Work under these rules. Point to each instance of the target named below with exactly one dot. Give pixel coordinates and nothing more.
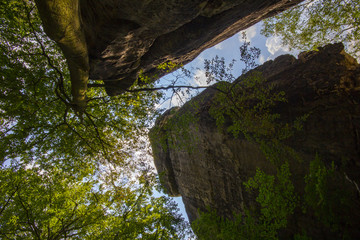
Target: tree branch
(60, 82)
(160, 88)
(7, 202)
(30, 222)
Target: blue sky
(229, 49)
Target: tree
(69, 174)
(38, 120)
(315, 23)
(53, 204)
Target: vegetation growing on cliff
(245, 109)
(276, 201)
(329, 198)
(64, 171)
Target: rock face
(210, 168)
(125, 37)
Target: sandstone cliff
(207, 165)
(124, 37)
(118, 39)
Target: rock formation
(122, 38)
(210, 168)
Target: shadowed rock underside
(126, 37)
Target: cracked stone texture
(124, 37)
(208, 166)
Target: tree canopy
(53, 204)
(38, 120)
(315, 23)
(70, 174)
(67, 174)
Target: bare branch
(161, 88)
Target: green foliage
(185, 126)
(328, 195)
(147, 79)
(245, 106)
(38, 121)
(65, 174)
(211, 226)
(315, 23)
(248, 54)
(247, 103)
(277, 200)
(277, 152)
(38, 204)
(217, 71)
(245, 109)
(301, 237)
(176, 130)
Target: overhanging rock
(129, 36)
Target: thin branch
(7, 202)
(65, 228)
(60, 82)
(73, 130)
(160, 88)
(131, 207)
(102, 142)
(341, 32)
(29, 222)
(99, 98)
(353, 182)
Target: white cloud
(250, 34)
(182, 96)
(274, 45)
(200, 78)
(218, 46)
(179, 99)
(261, 59)
(352, 47)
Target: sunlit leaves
(38, 121)
(315, 23)
(66, 174)
(38, 204)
